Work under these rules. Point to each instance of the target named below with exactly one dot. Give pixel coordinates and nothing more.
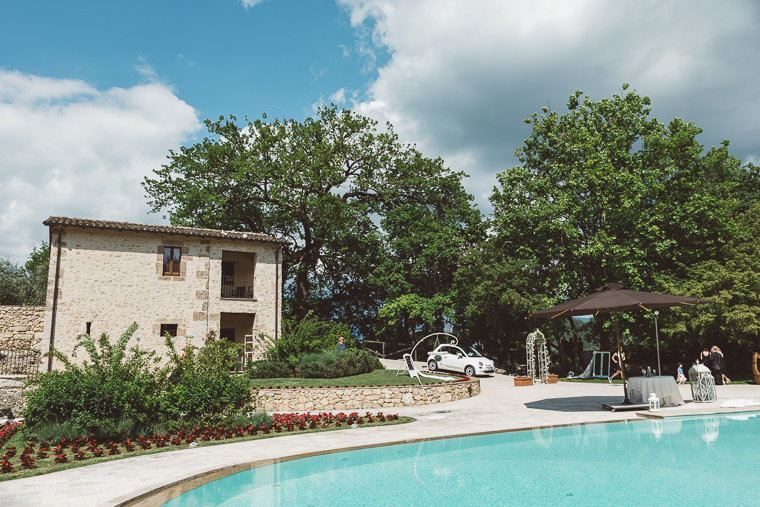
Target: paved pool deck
(499, 407)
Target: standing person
(705, 358)
(717, 365)
(680, 375)
(615, 366)
(341, 345)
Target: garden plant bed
(73, 453)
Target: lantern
(702, 383)
(654, 402)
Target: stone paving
(499, 407)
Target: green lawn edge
(381, 378)
(50, 467)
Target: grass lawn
(376, 378)
(47, 465)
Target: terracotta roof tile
(162, 229)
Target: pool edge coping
(142, 497)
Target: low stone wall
(11, 399)
(348, 398)
(21, 327)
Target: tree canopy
(326, 184)
(604, 193)
(733, 280)
(389, 242)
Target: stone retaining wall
(11, 398)
(347, 398)
(21, 327)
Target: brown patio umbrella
(614, 298)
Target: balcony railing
(19, 361)
(237, 287)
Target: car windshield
(471, 352)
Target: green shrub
(52, 432)
(269, 369)
(113, 386)
(336, 363)
(308, 336)
(204, 381)
(120, 393)
(259, 419)
(255, 419)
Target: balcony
(237, 287)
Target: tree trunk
(575, 344)
(303, 286)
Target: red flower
(5, 465)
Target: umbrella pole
(626, 401)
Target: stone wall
(21, 327)
(348, 398)
(11, 399)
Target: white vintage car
(453, 358)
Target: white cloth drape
(665, 387)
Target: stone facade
(21, 327)
(356, 398)
(113, 274)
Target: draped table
(665, 387)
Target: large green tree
(492, 295)
(424, 245)
(324, 184)
(733, 281)
(11, 282)
(605, 193)
(27, 284)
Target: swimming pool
(706, 460)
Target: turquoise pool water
(701, 460)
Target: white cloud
(146, 70)
(339, 97)
(250, 3)
(70, 149)
(462, 75)
(317, 104)
(317, 72)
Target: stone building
(179, 280)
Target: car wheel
(432, 365)
(469, 371)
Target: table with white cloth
(664, 387)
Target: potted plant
(523, 381)
(552, 379)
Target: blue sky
(93, 95)
(220, 57)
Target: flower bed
(7, 431)
(50, 455)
